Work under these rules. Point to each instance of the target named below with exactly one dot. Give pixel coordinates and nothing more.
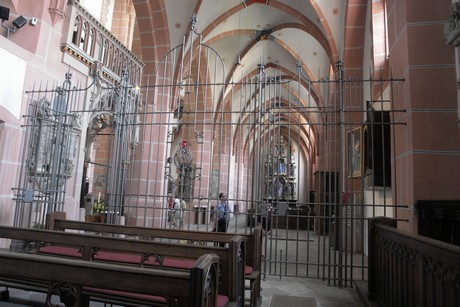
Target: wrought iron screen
(308, 160)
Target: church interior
(332, 127)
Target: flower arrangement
(99, 207)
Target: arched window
(104, 51)
(116, 58)
(91, 41)
(85, 34)
(380, 36)
(77, 29)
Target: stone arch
(153, 32)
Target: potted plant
(99, 208)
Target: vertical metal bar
(321, 186)
(258, 107)
(307, 160)
(382, 127)
(18, 218)
(281, 261)
(393, 133)
(243, 200)
(341, 176)
(250, 203)
(330, 182)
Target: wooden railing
(89, 42)
(411, 270)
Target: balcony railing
(89, 41)
(411, 270)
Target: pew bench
(74, 279)
(253, 243)
(142, 253)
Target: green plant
(99, 207)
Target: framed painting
(354, 150)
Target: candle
(99, 197)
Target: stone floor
(325, 296)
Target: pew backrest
(196, 287)
(253, 240)
(140, 252)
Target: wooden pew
(138, 252)
(70, 278)
(253, 243)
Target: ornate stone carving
(183, 159)
(53, 143)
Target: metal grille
(49, 153)
(308, 160)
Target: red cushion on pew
(120, 257)
(61, 251)
(248, 270)
(117, 257)
(222, 300)
(153, 298)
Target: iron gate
(308, 160)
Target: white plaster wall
(12, 82)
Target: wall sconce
(18, 23)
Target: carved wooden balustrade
(411, 270)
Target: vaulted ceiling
(279, 33)
(291, 38)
